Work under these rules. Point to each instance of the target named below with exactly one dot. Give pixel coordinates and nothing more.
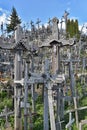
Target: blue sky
(44, 9)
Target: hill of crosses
(43, 77)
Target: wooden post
(73, 91)
(33, 85)
(76, 111)
(82, 123)
(51, 108)
(25, 97)
(80, 126)
(72, 86)
(17, 76)
(18, 33)
(56, 48)
(46, 108)
(71, 121)
(58, 110)
(70, 118)
(46, 120)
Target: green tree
(13, 21)
(68, 28)
(72, 28)
(76, 27)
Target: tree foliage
(72, 27)
(13, 21)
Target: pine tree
(72, 28)
(76, 27)
(14, 20)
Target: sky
(44, 9)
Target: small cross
(38, 22)
(5, 114)
(65, 14)
(49, 21)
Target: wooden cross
(18, 48)
(42, 78)
(65, 14)
(25, 96)
(5, 114)
(72, 85)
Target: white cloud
(83, 28)
(63, 24)
(3, 16)
(4, 11)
